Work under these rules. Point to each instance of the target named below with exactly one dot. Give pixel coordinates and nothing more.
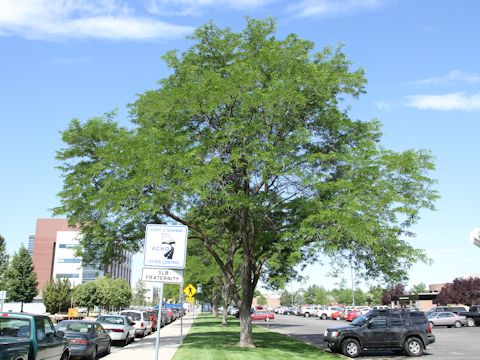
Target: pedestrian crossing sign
(190, 290)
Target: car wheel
(458, 324)
(127, 340)
(338, 318)
(109, 348)
(470, 322)
(307, 314)
(413, 347)
(351, 348)
(324, 316)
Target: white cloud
(454, 76)
(446, 102)
(383, 105)
(103, 19)
(198, 7)
(306, 8)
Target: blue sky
(79, 59)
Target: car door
(442, 319)
(395, 330)
(50, 346)
(103, 339)
(375, 333)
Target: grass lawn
(208, 340)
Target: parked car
(337, 315)
(141, 319)
(289, 311)
(326, 313)
(398, 330)
(352, 315)
(309, 310)
(87, 338)
(472, 315)
(153, 319)
(28, 336)
(263, 315)
(448, 319)
(119, 327)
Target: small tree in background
(57, 295)
(418, 288)
(87, 295)
(261, 300)
(21, 278)
(139, 293)
(3, 262)
(393, 294)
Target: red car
(153, 319)
(262, 315)
(337, 315)
(353, 314)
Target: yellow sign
(190, 290)
(191, 300)
(72, 312)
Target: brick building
(54, 246)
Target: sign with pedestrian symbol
(190, 290)
(165, 246)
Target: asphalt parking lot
(462, 343)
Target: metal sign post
(165, 253)
(181, 317)
(160, 300)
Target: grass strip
(209, 340)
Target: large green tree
(249, 144)
(3, 262)
(57, 295)
(21, 278)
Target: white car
(141, 320)
(119, 327)
(326, 313)
(309, 310)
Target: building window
(68, 261)
(67, 246)
(68, 276)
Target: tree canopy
(57, 295)
(248, 143)
(21, 278)
(460, 291)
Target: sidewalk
(144, 349)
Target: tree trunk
(214, 304)
(224, 300)
(246, 337)
(21, 307)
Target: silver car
(119, 327)
(141, 320)
(446, 318)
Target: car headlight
(335, 333)
(325, 333)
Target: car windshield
(431, 315)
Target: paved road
(458, 344)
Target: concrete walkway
(144, 348)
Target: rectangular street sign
(165, 246)
(168, 276)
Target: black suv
(397, 330)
